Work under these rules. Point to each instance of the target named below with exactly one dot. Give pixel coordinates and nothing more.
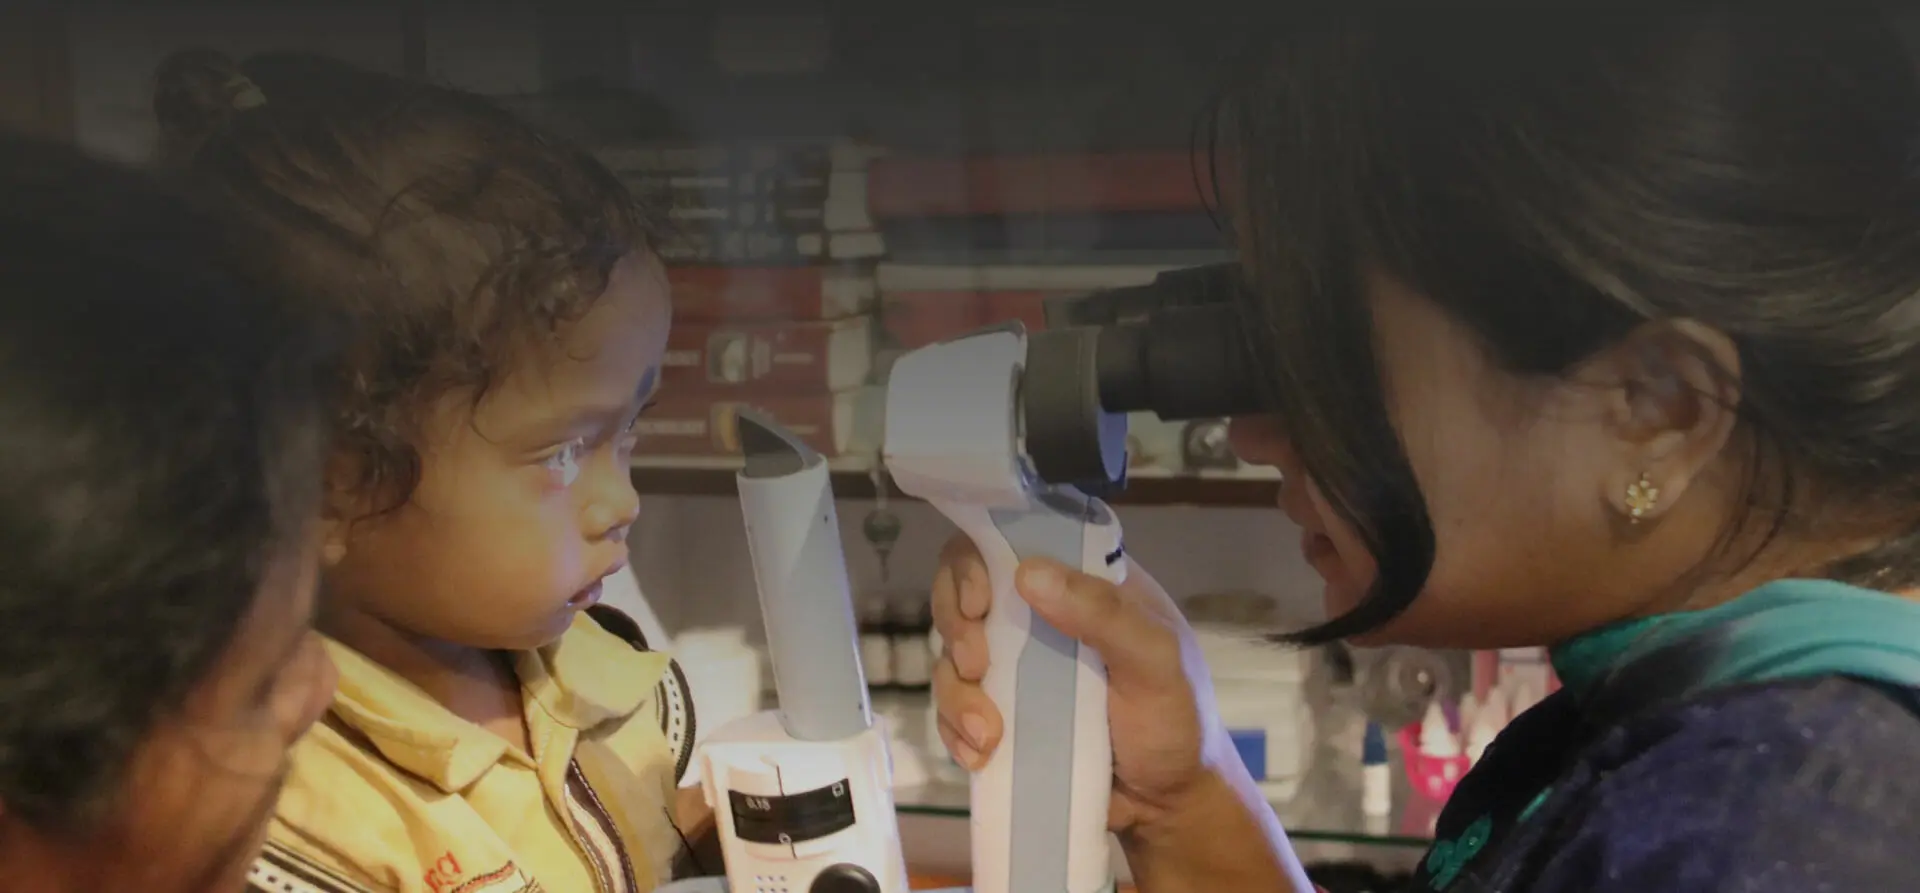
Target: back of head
(163, 426)
(450, 231)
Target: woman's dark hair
(163, 431)
(1555, 175)
(452, 233)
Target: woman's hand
(1157, 683)
(1188, 814)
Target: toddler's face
(523, 506)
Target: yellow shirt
(394, 792)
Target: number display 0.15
(792, 818)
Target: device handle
(1040, 804)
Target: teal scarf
(1784, 630)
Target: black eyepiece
(1176, 348)
(1179, 364)
(1209, 285)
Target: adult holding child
(162, 424)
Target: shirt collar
(585, 678)
(590, 676)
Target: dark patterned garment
(1768, 746)
(1793, 786)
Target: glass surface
(1326, 808)
(1323, 806)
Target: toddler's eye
(634, 423)
(565, 464)
(629, 437)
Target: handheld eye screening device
(1014, 436)
(954, 434)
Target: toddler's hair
(455, 236)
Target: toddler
(494, 730)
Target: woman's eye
(565, 464)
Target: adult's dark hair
(1555, 175)
(453, 234)
(161, 438)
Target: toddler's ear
(341, 505)
(333, 546)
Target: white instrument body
(792, 811)
(802, 795)
(1040, 804)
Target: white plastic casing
(1040, 804)
(805, 789)
(756, 757)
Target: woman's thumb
(1132, 642)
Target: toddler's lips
(585, 598)
(590, 596)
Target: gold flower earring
(1642, 496)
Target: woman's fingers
(1135, 643)
(967, 652)
(961, 594)
(969, 722)
(966, 571)
(963, 752)
(1125, 624)
(946, 602)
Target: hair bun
(196, 92)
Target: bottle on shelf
(876, 642)
(1437, 740)
(1485, 724)
(1376, 777)
(912, 626)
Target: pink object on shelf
(1433, 778)
(1486, 673)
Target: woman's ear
(1673, 410)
